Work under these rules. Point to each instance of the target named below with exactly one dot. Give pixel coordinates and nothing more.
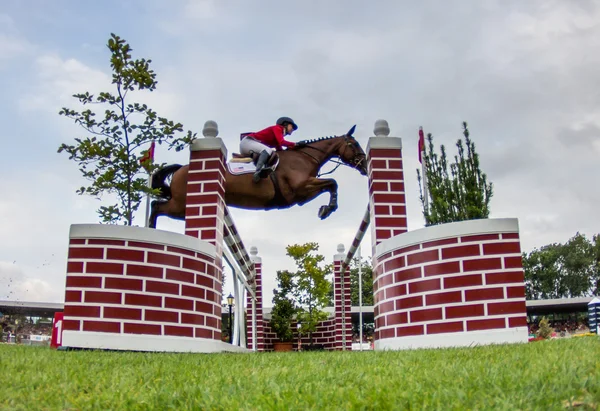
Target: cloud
(17, 286)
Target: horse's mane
(315, 140)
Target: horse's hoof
(324, 212)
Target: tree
(462, 194)
(112, 157)
(367, 282)
(311, 286)
(563, 270)
(284, 307)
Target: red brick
(396, 319)
(151, 329)
(161, 287)
(515, 292)
(460, 311)
(513, 262)
(425, 285)
(480, 237)
(193, 292)
(393, 264)
(144, 271)
(212, 296)
(195, 319)
(201, 222)
(84, 282)
(387, 175)
(145, 245)
(194, 265)
(460, 251)
(408, 274)
(501, 248)
(203, 154)
(484, 294)
(379, 186)
(428, 314)
(451, 267)
(209, 210)
(398, 186)
(164, 259)
(212, 322)
(123, 284)
(398, 209)
(409, 302)
(102, 326)
(408, 249)
(162, 316)
(395, 291)
(384, 153)
(72, 296)
(410, 330)
(76, 241)
(102, 297)
(441, 328)
(204, 307)
(387, 333)
(203, 333)
(443, 298)
(387, 222)
(180, 250)
(438, 243)
(179, 331)
(71, 325)
(517, 322)
(103, 268)
(86, 252)
(81, 311)
(123, 313)
(510, 236)
(381, 235)
(211, 187)
(482, 264)
(208, 235)
(105, 241)
(143, 299)
(513, 307)
(462, 281)
(179, 303)
(75, 267)
(422, 257)
(124, 254)
(503, 278)
(381, 198)
(486, 324)
(386, 280)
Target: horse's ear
(351, 131)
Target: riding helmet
(282, 120)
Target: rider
(263, 142)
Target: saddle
(239, 158)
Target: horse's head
(351, 153)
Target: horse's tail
(159, 177)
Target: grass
(541, 375)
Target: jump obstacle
(133, 288)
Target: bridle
(356, 162)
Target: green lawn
(541, 375)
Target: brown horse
(294, 181)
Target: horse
(292, 182)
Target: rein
(335, 160)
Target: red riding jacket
(273, 137)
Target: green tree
(311, 286)
(462, 193)
(563, 270)
(109, 157)
(284, 307)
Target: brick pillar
(342, 302)
(206, 200)
(386, 185)
(260, 337)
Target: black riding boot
(260, 164)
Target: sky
(524, 75)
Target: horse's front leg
(315, 187)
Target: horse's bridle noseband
(356, 163)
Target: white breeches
(249, 146)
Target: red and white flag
(421, 144)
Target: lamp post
(230, 304)
(360, 318)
